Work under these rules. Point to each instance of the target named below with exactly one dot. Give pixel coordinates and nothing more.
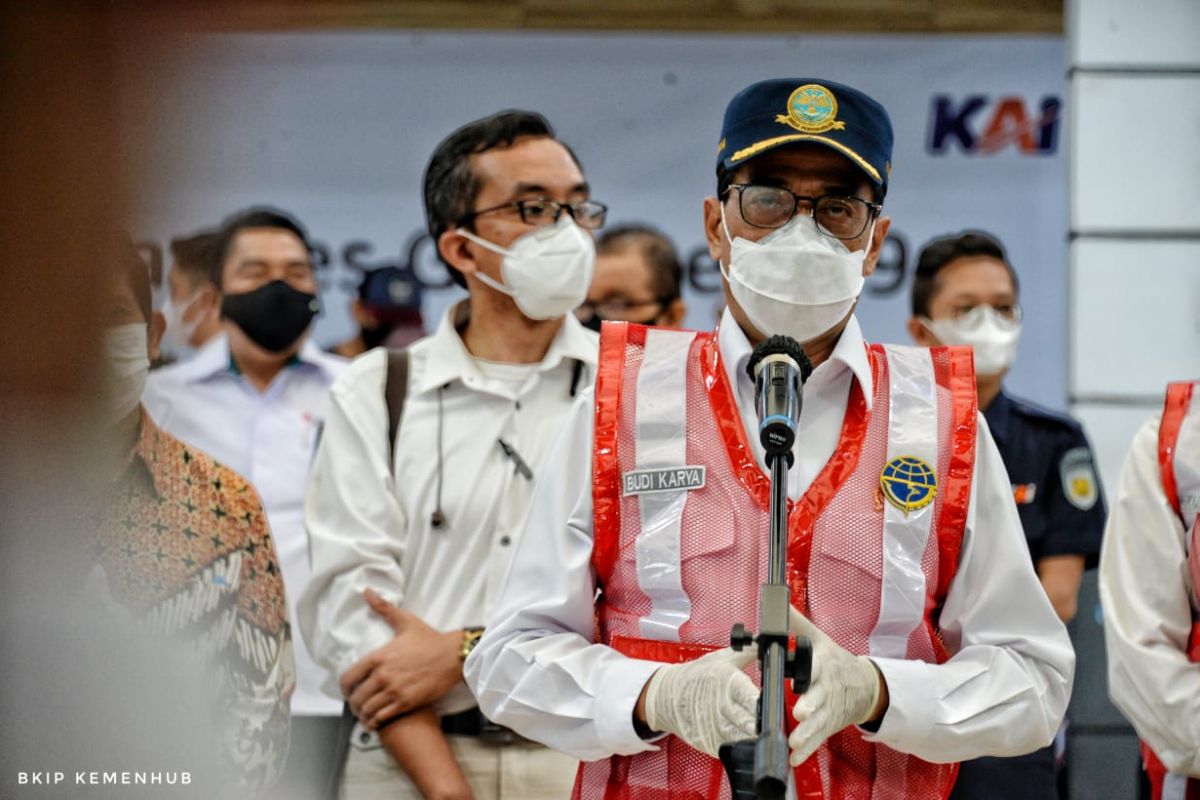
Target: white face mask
(794, 281)
(992, 337)
(547, 271)
(126, 365)
(177, 338)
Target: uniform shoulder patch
(1078, 477)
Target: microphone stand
(758, 768)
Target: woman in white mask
(966, 293)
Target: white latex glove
(707, 702)
(844, 691)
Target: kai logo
(980, 125)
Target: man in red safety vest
(647, 538)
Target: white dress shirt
(1003, 692)
(268, 437)
(1145, 593)
(368, 530)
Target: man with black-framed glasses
(932, 641)
(423, 477)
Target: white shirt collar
(449, 360)
(850, 352)
(214, 359)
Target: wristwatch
(470, 638)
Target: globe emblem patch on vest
(908, 483)
(811, 109)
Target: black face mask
(273, 316)
(373, 337)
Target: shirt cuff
(910, 696)
(615, 701)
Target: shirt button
(364, 737)
(505, 541)
(518, 405)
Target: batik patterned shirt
(186, 549)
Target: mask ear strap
(725, 227)
(720, 264)
(484, 243)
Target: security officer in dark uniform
(965, 293)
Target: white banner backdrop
(337, 128)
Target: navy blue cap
(390, 289)
(768, 114)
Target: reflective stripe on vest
(912, 433)
(662, 444)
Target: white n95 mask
(547, 271)
(177, 338)
(992, 337)
(794, 281)
(126, 367)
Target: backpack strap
(395, 392)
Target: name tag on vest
(666, 479)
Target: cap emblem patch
(812, 109)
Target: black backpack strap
(395, 392)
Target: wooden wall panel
(741, 16)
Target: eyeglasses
(773, 206)
(1008, 313)
(544, 211)
(617, 308)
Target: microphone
(778, 367)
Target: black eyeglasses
(618, 308)
(773, 206)
(544, 211)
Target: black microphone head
(779, 345)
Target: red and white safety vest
(681, 536)
(1179, 462)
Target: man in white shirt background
(193, 306)
(254, 398)
(976, 664)
(429, 521)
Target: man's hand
(707, 702)
(846, 690)
(415, 668)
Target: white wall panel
(1134, 160)
(1118, 33)
(1135, 321)
(1110, 430)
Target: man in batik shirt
(182, 544)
